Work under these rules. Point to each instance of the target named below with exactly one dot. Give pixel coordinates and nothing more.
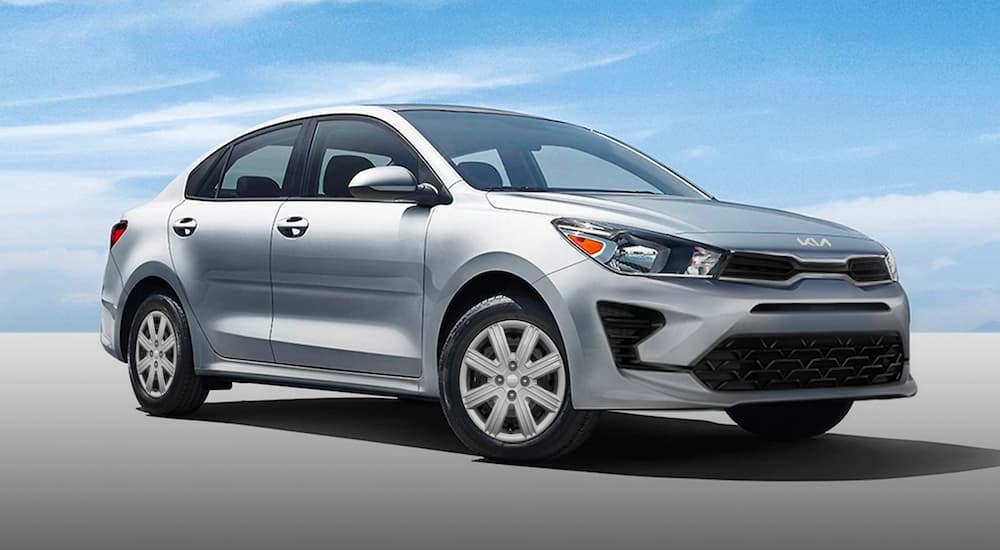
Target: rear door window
(258, 166)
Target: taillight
(117, 230)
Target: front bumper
(699, 314)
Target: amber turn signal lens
(590, 246)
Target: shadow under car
(624, 444)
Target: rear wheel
(505, 384)
(790, 421)
(161, 366)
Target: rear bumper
(111, 292)
(699, 315)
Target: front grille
(802, 361)
(868, 270)
(759, 267)
(773, 267)
(626, 326)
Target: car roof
(400, 107)
(376, 109)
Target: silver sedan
(527, 273)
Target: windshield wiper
(526, 189)
(522, 189)
(631, 191)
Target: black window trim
(312, 188)
(293, 172)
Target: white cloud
(955, 309)
(927, 232)
(466, 71)
(203, 12)
(932, 234)
(697, 152)
(992, 137)
(61, 241)
(149, 85)
(941, 263)
(76, 208)
(167, 138)
(197, 12)
(955, 218)
(633, 134)
(217, 11)
(68, 262)
(60, 210)
(857, 152)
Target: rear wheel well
(479, 288)
(144, 289)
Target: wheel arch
(480, 277)
(148, 279)
(480, 287)
(143, 289)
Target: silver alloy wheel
(156, 354)
(512, 381)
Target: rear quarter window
(204, 179)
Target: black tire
(570, 427)
(187, 392)
(790, 421)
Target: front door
(348, 274)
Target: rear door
(348, 274)
(220, 239)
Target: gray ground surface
(264, 467)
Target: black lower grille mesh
(802, 361)
(626, 326)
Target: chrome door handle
(293, 227)
(184, 227)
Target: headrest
(340, 170)
(257, 186)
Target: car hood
(724, 224)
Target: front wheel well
(479, 288)
(142, 290)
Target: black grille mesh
(626, 326)
(765, 267)
(868, 270)
(759, 267)
(802, 361)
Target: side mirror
(388, 183)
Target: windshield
(500, 152)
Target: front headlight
(632, 251)
(890, 264)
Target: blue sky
(884, 116)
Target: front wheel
(505, 386)
(161, 366)
(790, 421)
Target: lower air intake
(626, 326)
(802, 361)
